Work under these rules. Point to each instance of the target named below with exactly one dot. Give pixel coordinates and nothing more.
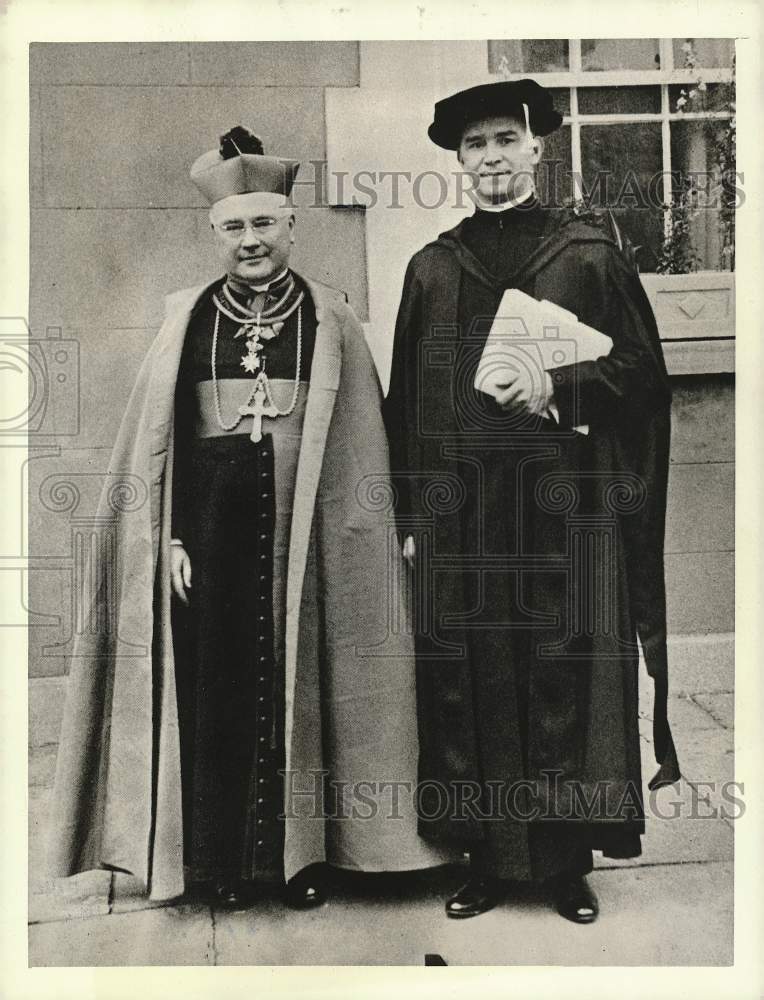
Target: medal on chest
(255, 335)
(257, 328)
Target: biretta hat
(490, 100)
(238, 166)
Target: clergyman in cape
(534, 524)
(252, 591)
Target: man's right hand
(409, 550)
(180, 572)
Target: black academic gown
(539, 549)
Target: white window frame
(576, 77)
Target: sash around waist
(233, 393)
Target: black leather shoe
(230, 895)
(478, 896)
(575, 900)
(307, 889)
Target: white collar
(261, 288)
(504, 206)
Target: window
(648, 132)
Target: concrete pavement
(671, 906)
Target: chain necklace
(287, 285)
(259, 402)
(239, 313)
(260, 325)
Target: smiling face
(254, 234)
(501, 155)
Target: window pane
(709, 53)
(619, 100)
(620, 53)
(561, 99)
(622, 166)
(553, 176)
(701, 97)
(528, 55)
(697, 150)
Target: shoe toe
(577, 902)
(472, 899)
(230, 896)
(457, 909)
(303, 893)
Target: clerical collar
(506, 206)
(245, 288)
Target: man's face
(501, 155)
(253, 236)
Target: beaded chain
(259, 401)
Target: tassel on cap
(240, 140)
(239, 166)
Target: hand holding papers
(530, 337)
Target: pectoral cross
(258, 408)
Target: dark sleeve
(633, 375)
(399, 409)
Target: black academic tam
(489, 100)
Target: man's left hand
(527, 393)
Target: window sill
(696, 320)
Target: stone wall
(116, 225)
(700, 529)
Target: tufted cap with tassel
(239, 166)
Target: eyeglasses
(236, 231)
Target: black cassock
(228, 668)
(539, 549)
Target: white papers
(535, 336)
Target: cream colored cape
(350, 690)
